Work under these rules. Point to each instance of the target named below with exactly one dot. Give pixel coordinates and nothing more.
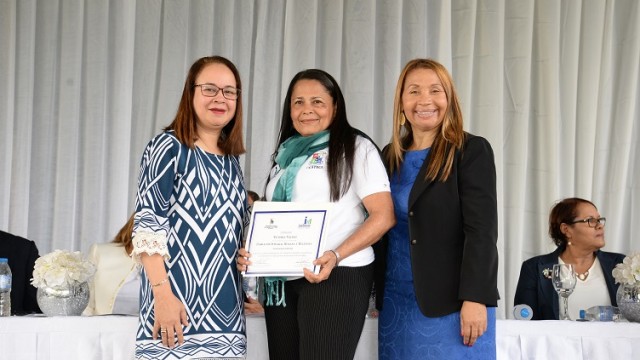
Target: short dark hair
(564, 211)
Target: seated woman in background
(22, 255)
(116, 285)
(577, 229)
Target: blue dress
(197, 202)
(403, 331)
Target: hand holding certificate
(285, 237)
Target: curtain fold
(553, 85)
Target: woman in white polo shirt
(321, 158)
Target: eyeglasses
(592, 222)
(211, 90)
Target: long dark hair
(342, 137)
(184, 124)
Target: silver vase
(63, 301)
(628, 298)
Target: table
(67, 337)
(553, 339)
(113, 337)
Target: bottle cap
(522, 312)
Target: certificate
(286, 237)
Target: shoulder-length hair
(564, 211)
(184, 124)
(450, 134)
(342, 137)
(124, 237)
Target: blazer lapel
(607, 263)
(420, 184)
(548, 291)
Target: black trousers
(320, 321)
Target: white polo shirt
(312, 185)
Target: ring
(163, 330)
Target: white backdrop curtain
(553, 85)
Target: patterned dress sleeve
(153, 199)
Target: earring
(404, 119)
(569, 243)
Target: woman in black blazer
(436, 274)
(578, 232)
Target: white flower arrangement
(547, 273)
(628, 272)
(62, 269)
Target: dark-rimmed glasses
(591, 221)
(211, 90)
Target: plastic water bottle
(522, 312)
(600, 313)
(5, 288)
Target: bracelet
(337, 254)
(160, 283)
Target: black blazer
(22, 255)
(536, 290)
(453, 229)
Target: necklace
(583, 276)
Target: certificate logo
(271, 225)
(306, 223)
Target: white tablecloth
(113, 337)
(567, 340)
(72, 337)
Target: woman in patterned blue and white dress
(190, 207)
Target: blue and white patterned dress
(193, 203)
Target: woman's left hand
(327, 262)
(473, 321)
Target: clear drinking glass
(564, 281)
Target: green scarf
(291, 155)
